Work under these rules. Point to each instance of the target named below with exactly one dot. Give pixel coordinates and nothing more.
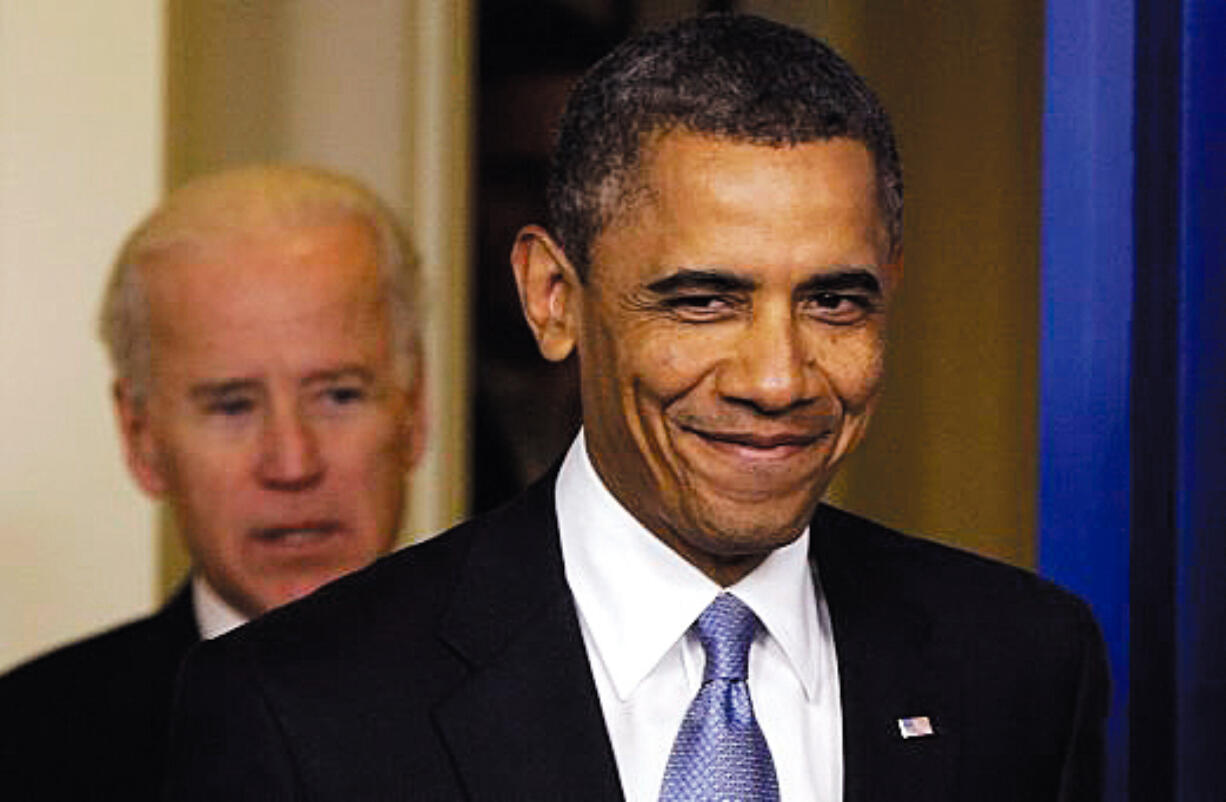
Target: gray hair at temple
(731, 76)
(247, 200)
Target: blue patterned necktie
(720, 753)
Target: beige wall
(953, 449)
(80, 159)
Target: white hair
(248, 200)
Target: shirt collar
(638, 597)
(213, 616)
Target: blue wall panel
(1084, 511)
(1133, 370)
(1201, 508)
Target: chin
(764, 516)
(746, 533)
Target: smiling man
(263, 331)
(730, 335)
(672, 613)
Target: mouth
(300, 534)
(760, 440)
(755, 465)
(761, 443)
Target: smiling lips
(757, 457)
(761, 444)
(759, 466)
(764, 442)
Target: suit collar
(214, 615)
(521, 726)
(889, 667)
(630, 633)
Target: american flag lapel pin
(915, 727)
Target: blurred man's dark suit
(457, 670)
(89, 721)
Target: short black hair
(732, 76)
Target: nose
(772, 368)
(289, 458)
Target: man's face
(731, 340)
(275, 426)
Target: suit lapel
(526, 724)
(177, 618)
(889, 669)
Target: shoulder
(127, 653)
(102, 702)
(358, 668)
(405, 589)
(390, 612)
(361, 644)
(956, 586)
(1008, 660)
(1006, 628)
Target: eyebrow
(705, 280)
(848, 278)
(690, 279)
(208, 390)
(359, 372)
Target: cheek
(680, 362)
(209, 499)
(602, 382)
(855, 366)
(381, 468)
(371, 462)
(671, 365)
(206, 471)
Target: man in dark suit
(262, 327)
(671, 613)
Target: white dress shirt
(213, 616)
(637, 599)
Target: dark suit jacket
(90, 720)
(456, 670)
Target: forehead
(252, 253)
(267, 293)
(705, 196)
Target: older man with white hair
(262, 324)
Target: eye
(839, 308)
(344, 395)
(231, 407)
(701, 307)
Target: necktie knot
(726, 629)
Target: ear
(139, 444)
(549, 291)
